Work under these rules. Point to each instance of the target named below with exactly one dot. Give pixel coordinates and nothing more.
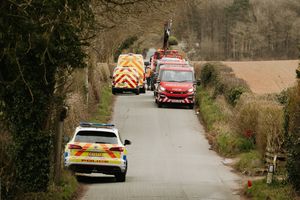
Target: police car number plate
(95, 154)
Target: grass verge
(229, 144)
(210, 112)
(104, 111)
(225, 142)
(64, 191)
(249, 163)
(260, 190)
(242, 125)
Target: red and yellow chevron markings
(84, 148)
(133, 60)
(107, 151)
(126, 75)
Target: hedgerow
(223, 82)
(208, 74)
(39, 40)
(292, 136)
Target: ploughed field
(266, 76)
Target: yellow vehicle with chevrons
(135, 61)
(125, 79)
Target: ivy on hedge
(220, 78)
(173, 40)
(125, 45)
(208, 74)
(233, 95)
(37, 39)
(292, 136)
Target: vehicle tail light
(74, 146)
(120, 149)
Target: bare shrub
(105, 71)
(270, 127)
(111, 67)
(77, 112)
(197, 68)
(83, 101)
(78, 81)
(261, 119)
(246, 119)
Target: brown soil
(266, 76)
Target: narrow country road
(169, 157)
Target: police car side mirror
(198, 82)
(66, 139)
(127, 142)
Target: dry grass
(257, 118)
(263, 118)
(246, 118)
(270, 128)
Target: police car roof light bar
(91, 124)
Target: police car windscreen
(99, 137)
(176, 76)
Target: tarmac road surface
(169, 157)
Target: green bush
(64, 191)
(249, 161)
(245, 121)
(124, 45)
(173, 40)
(233, 95)
(220, 87)
(245, 144)
(223, 82)
(208, 74)
(282, 98)
(229, 144)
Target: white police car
(97, 148)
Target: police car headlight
(161, 89)
(191, 90)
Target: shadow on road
(125, 94)
(95, 179)
(175, 106)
